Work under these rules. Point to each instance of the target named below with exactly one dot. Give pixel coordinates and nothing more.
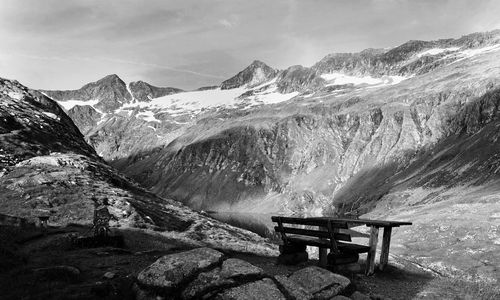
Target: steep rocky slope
(46, 168)
(299, 78)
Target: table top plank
(367, 222)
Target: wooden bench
(326, 236)
(303, 237)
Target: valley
(379, 132)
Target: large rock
(237, 268)
(292, 289)
(322, 283)
(259, 290)
(170, 270)
(228, 275)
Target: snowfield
(340, 79)
(69, 104)
(436, 51)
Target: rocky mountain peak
(110, 92)
(143, 91)
(256, 73)
(111, 79)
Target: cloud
(159, 66)
(193, 43)
(225, 23)
(231, 21)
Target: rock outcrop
(299, 78)
(85, 117)
(205, 273)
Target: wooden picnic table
(374, 225)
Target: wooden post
(370, 259)
(386, 242)
(323, 253)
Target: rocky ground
(50, 266)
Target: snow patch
(340, 79)
(51, 115)
(435, 51)
(15, 95)
(69, 104)
(192, 102)
(265, 84)
(257, 77)
(148, 116)
(130, 92)
(271, 98)
(473, 52)
(103, 119)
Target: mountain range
(409, 132)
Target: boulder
(258, 290)
(207, 282)
(291, 289)
(228, 275)
(170, 270)
(322, 283)
(359, 296)
(237, 268)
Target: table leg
(370, 260)
(323, 252)
(323, 257)
(386, 242)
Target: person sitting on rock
(102, 216)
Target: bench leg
(323, 257)
(370, 260)
(323, 252)
(386, 242)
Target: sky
(64, 44)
